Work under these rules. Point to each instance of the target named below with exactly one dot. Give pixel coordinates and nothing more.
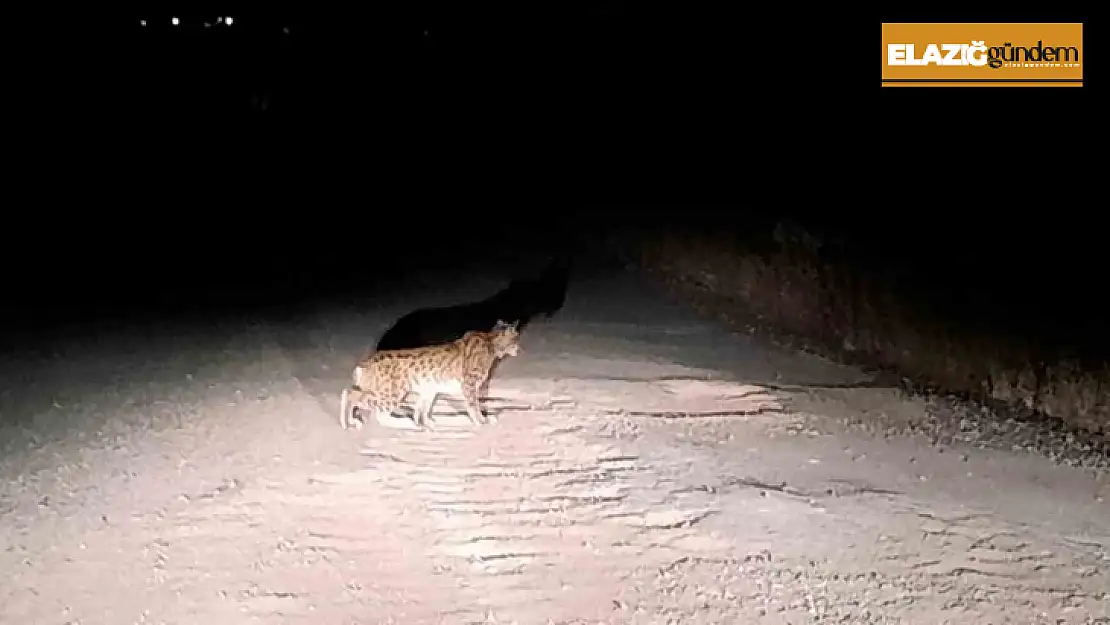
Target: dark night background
(516, 128)
(387, 147)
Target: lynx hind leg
(345, 408)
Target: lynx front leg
(483, 391)
(470, 388)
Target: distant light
(229, 21)
(219, 20)
(207, 25)
(175, 21)
(142, 22)
(285, 30)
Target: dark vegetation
(1012, 320)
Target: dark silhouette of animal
(519, 302)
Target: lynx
(382, 380)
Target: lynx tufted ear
(502, 325)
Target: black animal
(520, 302)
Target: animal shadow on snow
(520, 302)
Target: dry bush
(791, 291)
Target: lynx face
(505, 339)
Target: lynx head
(506, 339)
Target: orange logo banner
(982, 55)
